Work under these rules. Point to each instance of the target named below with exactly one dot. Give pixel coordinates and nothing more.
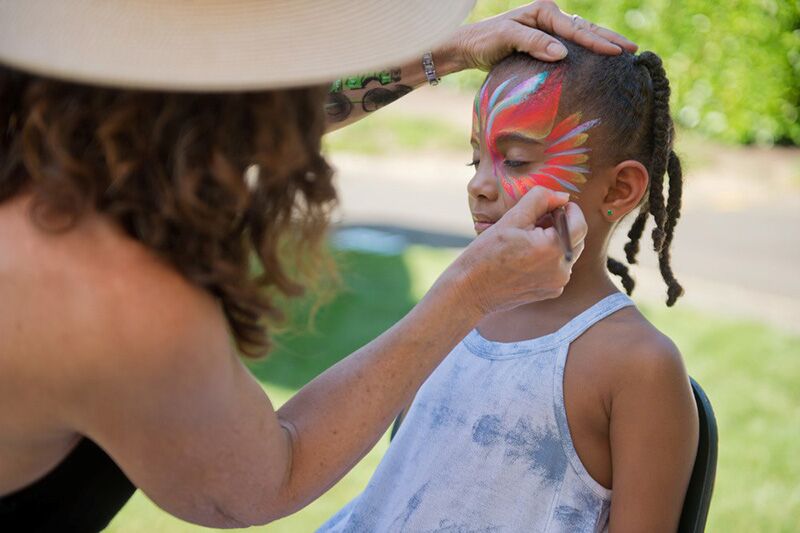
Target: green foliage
(734, 65)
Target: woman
(147, 156)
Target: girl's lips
(483, 221)
(482, 225)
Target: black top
(81, 494)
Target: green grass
(750, 372)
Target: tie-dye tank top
(486, 447)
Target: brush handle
(560, 223)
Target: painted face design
(529, 108)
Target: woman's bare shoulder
(93, 293)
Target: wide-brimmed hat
(219, 45)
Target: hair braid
(662, 142)
(635, 233)
(619, 269)
(674, 289)
(663, 159)
(675, 173)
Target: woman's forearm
(334, 420)
(353, 98)
(340, 415)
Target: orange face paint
(530, 107)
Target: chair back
(701, 484)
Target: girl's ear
(628, 186)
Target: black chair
(701, 484)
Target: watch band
(429, 68)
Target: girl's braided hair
(662, 158)
(630, 94)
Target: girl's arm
(654, 435)
(479, 45)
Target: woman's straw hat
(219, 45)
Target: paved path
(737, 245)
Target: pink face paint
(530, 107)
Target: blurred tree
(734, 65)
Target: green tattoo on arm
(384, 77)
(372, 91)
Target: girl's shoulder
(652, 420)
(624, 347)
(628, 332)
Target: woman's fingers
(515, 262)
(535, 42)
(576, 223)
(577, 250)
(507, 266)
(546, 15)
(527, 29)
(616, 38)
(532, 206)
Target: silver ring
(581, 23)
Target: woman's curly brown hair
(170, 169)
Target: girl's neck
(588, 284)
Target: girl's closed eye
(514, 163)
(508, 163)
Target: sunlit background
(734, 68)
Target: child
(509, 433)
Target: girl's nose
(483, 184)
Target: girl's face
(518, 144)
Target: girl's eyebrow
(514, 136)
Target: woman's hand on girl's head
(528, 29)
(515, 262)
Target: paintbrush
(560, 223)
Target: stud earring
(610, 212)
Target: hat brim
(219, 45)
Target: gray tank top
(486, 446)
